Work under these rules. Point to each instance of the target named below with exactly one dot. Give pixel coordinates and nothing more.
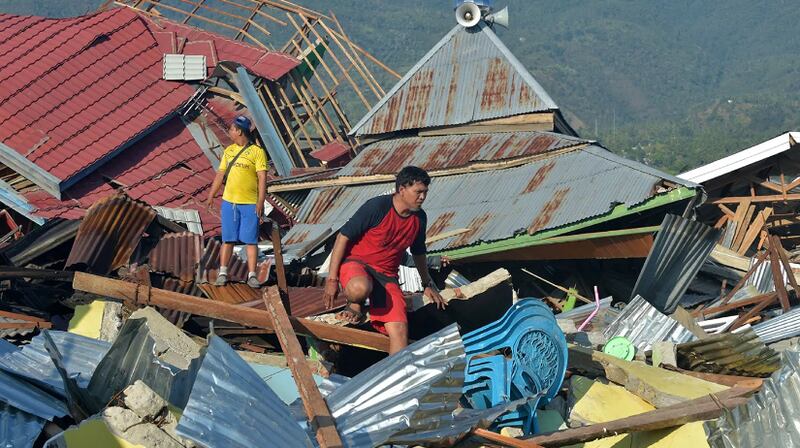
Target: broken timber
(319, 415)
(143, 295)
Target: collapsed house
(113, 126)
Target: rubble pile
(591, 300)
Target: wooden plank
(784, 259)
(503, 440)
(417, 301)
(742, 223)
(759, 260)
(752, 313)
(732, 306)
(319, 416)
(754, 230)
(757, 199)
(726, 211)
(777, 277)
(705, 408)
(143, 295)
(280, 269)
(445, 235)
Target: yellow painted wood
(95, 433)
(88, 319)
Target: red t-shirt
(379, 236)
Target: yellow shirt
(241, 187)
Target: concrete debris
(558, 260)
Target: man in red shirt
(368, 251)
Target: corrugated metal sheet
(679, 251)
(469, 75)
(22, 330)
(781, 327)
(109, 234)
(165, 168)
(177, 254)
(741, 353)
(18, 429)
(537, 196)
(27, 397)
(233, 293)
(80, 355)
(644, 325)
(741, 159)
(408, 398)
(453, 151)
(91, 84)
(135, 355)
(770, 419)
(208, 268)
(762, 277)
(230, 406)
(179, 67)
(190, 218)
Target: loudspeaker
(499, 18)
(468, 14)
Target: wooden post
(777, 276)
(776, 240)
(319, 416)
(280, 269)
(143, 295)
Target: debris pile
(590, 299)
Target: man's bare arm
(262, 193)
(332, 283)
(421, 262)
(215, 188)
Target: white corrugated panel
(183, 67)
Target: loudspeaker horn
(468, 14)
(499, 18)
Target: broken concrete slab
(143, 401)
(665, 355)
(172, 345)
(659, 387)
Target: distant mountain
(673, 83)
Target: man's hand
(433, 294)
(331, 292)
(210, 204)
(260, 211)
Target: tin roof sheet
(770, 418)
(166, 168)
(80, 88)
(742, 159)
(500, 204)
(18, 429)
(109, 234)
(29, 398)
(741, 353)
(453, 151)
(231, 406)
(470, 75)
(644, 325)
(177, 254)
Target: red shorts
(395, 310)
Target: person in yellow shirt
(243, 170)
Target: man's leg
(398, 336)
(356, 290)
(229, 235)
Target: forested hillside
(675, 84)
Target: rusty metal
(470, 75)
(741, 353)
(453, 151)
(177, 254)
(233, 293)
(109, 233)
(304, 302)
(208, 268)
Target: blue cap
(242, 122)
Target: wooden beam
(445, 235)
(756, 199)
(503, 440)
(280, 269)
(143, 295)
(784, 259)
(754, 230)
(744, 214)
(319, 416)
(725, 210)
(700, 409)
(777, 277)
(560, 288)
(759, 260)
(732, 306)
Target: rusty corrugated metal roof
(109, 233)
(740, 353)
(208, 268)
(177, 254)
(304, 302)
(470, 75)
(500, 204)
(453, 151)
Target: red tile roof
(76, 90)
(259, 61)
(165, 168)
